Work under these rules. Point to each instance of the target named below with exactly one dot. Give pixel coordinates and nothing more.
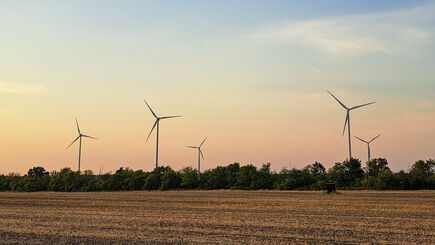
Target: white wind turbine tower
(347, 121)
(368, 144)
(80, 144)
(199, 154)
(157, 123)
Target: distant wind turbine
(199, 158)
(80, 144)
(368, 144)
(157, 122)
(347, 121)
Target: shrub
(170, 180)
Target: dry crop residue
(226, 217)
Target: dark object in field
(331, 187)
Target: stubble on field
(226, 217)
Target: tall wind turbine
(157, 123)
(347, 121)
(80, 144)
(199, 158)
(368, 144)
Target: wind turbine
(368, 144)
(80, 145)
(199, 153)
(157, 122)
(347, 121)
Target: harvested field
(227, 217)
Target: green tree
(189, 178)
(170, 180)
(248, 178)
(136, 180)
(36, 184)
(404, 180)
(37, 179)
(376, 166)
(214, 178)
(118, 181)
(265, 180)
(152, 182)
(432, 181)
(318, 176)
(93, 184)
(337, 174)
(421, 173)
(291, 179)
(316, 169)
(369, 182)
(347, 173)
(37, 172)
(88, 181)
(386, 180)
(231, 173)
(319, 185)
(65, 180)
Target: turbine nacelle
(80, 135)
(80, 145)
(199, 158)
(348, 110)
(347, 120)
(198, 147)
(368, 142)
(157, 118)
(156, 123)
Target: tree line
(349, 174)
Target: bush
(346, 175)
(319, 185)
(189, 178)
(231, 173)
(421, 173)
(289, 183)
(265, 179)
(152, 182)
(214, 179)
(170, 180)
(376, 166)
(369, 182)
(36, 183)
(386, 180)
(248, 178)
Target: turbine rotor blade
(78, 128)
(152, 129)
(188, 146)
(358, 106)
(203, 142)
(87, 136)
(361, 139)
(72, 142)
(337, 100)
(169, 117)
(345, 122)
(200, 152)
(374, 138)
(154, 114)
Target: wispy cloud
(386, 32)
(19, 88)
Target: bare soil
(223, 217)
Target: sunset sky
(250, 75)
